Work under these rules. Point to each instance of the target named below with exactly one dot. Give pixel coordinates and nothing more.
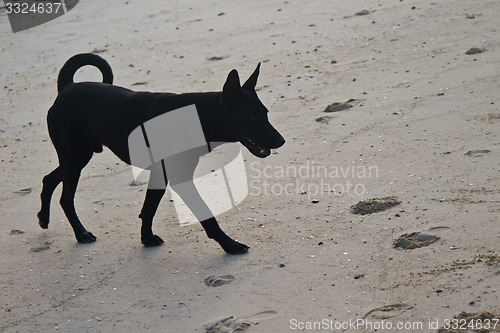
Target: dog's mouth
(254, 148)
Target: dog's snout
(280, 141)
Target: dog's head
(246, 116)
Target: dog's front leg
(227, 243)
(156, 190)
(180, 169)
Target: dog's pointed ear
(232, 84)
(252, 80)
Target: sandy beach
(394, 103)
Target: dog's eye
(253, 118)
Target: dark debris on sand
(474, 50)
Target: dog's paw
(43, 220)
(85, 237)
(151, 241)
(234, 247)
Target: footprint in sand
(217, 281)
(374, 205)
(24, 191)
(136, 183)
(474, 50)
(228, 325)
(478, 152)
(414, 240)
(323, 119)
(387, 311)
(340, 106)
(41, 248)
(232, 324)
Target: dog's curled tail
(75, 62)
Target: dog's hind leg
(50, 183)
(70, 171)
(156, 190)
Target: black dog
(87, 115)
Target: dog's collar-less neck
(210, 113)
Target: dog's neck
(211, 113)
